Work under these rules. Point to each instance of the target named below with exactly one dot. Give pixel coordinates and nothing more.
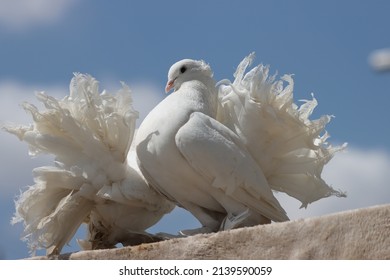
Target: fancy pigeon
(94, 180)
(221, 150)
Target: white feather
(90, 134)
(280, 136)
(220, 150)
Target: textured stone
(357, 234)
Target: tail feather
(90, 135)
(51, 210)
(280, 136)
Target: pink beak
(169, 86)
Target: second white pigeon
(94, 179)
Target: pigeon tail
(90, 134)
(290, 148)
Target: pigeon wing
(218, 155)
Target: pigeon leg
(233, 221)
(210, 220)
(137, 238)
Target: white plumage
(290, 148)
(94, 180)
(217, 150)
(221, 153)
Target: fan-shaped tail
(90, 134)
(286, 144)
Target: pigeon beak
(169, 86)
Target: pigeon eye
(183, 69)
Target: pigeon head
(187, 70)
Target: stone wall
(356, 234)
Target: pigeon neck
(206, 93)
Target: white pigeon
(95, 179)
(219, 152)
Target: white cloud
(21, 14)
(380, 59)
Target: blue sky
(325, 44)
